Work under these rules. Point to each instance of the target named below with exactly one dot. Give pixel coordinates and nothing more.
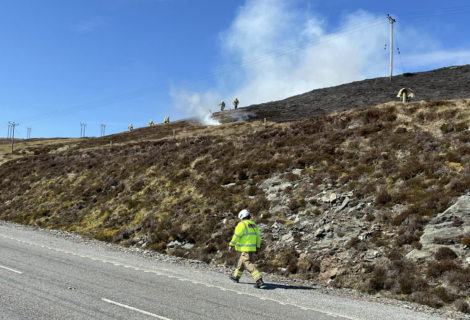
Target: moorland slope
(342, 198)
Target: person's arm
(237, 235)
(258, 238)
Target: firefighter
(151, 122)
(131, 127)
(235, 103)
(246, 240)
(222, 105)
(167, 119)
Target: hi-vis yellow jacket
(247, 237)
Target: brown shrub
(459, 281)
(417, 245)
(436, 269)
(123, 234)
(406, 239)
(462, 306)
(377, 280)
(406, 284)
(457, 222)
(252, 190)
(383, 197)
(444, 295)
(352, 243)
(466, 241)
(395, 255)
(398, 219)
(294, 205)
(457, 185)
(445, 253)
(427, 298)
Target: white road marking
(12, 270)
(134, 309)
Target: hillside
(348, 199)
(440, 84)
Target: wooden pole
(265, 123)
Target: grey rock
(284, 186)
(268, 183)
(442, 228)
(173, 244)
(188, 246)
(343, 205)
(319, 233)
(372, 255)
(228, 185)
(272, 196)
(287, 238)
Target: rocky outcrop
(447, 229)
(325, 221)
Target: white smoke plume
(198, 105)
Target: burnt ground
(440, 84)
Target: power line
(399, 53)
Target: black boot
(234, 279)
(260, 284)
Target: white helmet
(243, 214)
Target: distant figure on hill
(131, 127)
(151, 122)
(235, 103)
(167, 119)
(406, 93)
(222, 105)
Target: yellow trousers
(246, 261)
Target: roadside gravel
(445, 312)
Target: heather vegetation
(149, 189)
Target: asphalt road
(44, 277)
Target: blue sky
(128, 61)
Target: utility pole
(82, 130)
(103, 129)
(28, 135)
(12, 124)
(392, 21)
(9, 129)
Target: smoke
(262, 27)
(197, 105)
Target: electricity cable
(399, 53)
